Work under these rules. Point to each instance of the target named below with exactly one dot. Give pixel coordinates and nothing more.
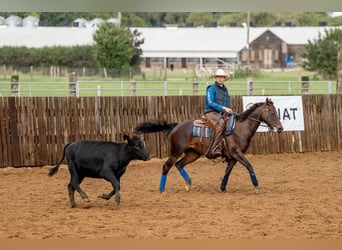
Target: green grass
(151, 83)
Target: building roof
(298, 35)
(189, 42)
(218, 42)
(36, 37)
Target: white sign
(289, 108)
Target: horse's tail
(152, 126)
(56, 167)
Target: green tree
(227, 19)
(137, 42)
(200, 19)
(153, 19)
(132, 20)
(311, 18)
(115, 47)
(262, 19)
(321, 53)
(175, 18)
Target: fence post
(165, 88)
(249, 86)
(73, 84)
(195, 86)
(15, 85)
(31, 72)
(5, 71)
(339, 68)
(98, 90)
(305, 84)
(329, 87)
(133, 87)
(122, 88)
(289, 88)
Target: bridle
(261, 123)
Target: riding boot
(215, 147)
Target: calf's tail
(56, 167)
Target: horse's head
(269, 116)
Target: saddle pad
(201, 131)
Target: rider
(217, 103)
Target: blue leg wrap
(224, 183)
(254, 180)
(162, 183)
(185, 175)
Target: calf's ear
(126, 138)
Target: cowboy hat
(220, 72)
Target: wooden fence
(34, 130)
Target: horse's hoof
(117, 199)
(256, 190)
(187, 188)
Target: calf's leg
(75, 180)
(107, 196)
(71, 190)
(79, 190)
(110, 176)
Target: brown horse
(183, 142)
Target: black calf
(100, 159)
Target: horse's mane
(243, 116)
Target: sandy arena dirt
(300, 198)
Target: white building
(182, 47)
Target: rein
(256, 120)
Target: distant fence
(34, 130)
(160, 88)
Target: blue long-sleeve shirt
(216, 97)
